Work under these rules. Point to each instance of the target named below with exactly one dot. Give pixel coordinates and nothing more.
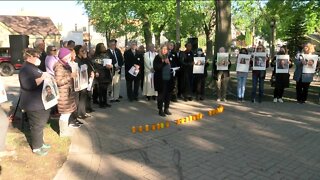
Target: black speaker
(194, 42)
(17, 44)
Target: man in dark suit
(174, 62)
(133, 61)
(117, 61)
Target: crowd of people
(165, 75)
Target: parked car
(7, 67)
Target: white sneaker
(275, 100)
(218, 100)
(280, 100)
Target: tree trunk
(223, 25)
(209, 43)
(178, 21)
(108, 36)
(147, 32)
(157, 38)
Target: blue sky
(66, 12)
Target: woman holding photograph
(31, 82)
(222, 77)
(81, 59)
(199, 80)
(258, 76)
(163, 80)
(281, 79)
(241, 78)
(303, 80)
(66, 102)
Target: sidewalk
(247, 141)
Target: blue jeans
(255, 80)
(241, 86)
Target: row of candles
(166, 124)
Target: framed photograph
(199, 63)
(83, 76)
(50, 93)
(282, 64)
(243, 63)
(76, 80)
(222, 61)
(3, 93)
(133, 71)
(259, 61)
(311, 65)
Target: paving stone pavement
(247, 141)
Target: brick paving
(247, 141)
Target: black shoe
(120, 97)
(148, 98)
(117, 100)
(78, 122)
(136, 99)
(108, 105)
(190, 98)
(161, 113)
(185, 99)
(154, 97)
(112, 101)
(201, 99)
(174, 100)
(167, 112)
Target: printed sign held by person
(199, 63)
(282, 64)
(50, 93)
(311, 65)
(243, 63)
(222, 61)
(259, 61)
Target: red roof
(30, 25)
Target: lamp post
(273, 26)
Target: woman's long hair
(163, 56)
(98, 51)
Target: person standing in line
(174, 62)
(258, 76)
(242, 79)
(133, 61)
(81, 59)
(40, 46)
(222, 78)
(117, 61)
(50, 61)
(200, 79)
(163, 80)
(282, 79)
(303, 80)
(179, 75)
(4, 124)
(103, 74)
(148, 88)
(186, 61)
(31, 85)
(65, 81)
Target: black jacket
(130, 60)
(105, 75)
(174, 59)
(186, 61)
(115, 60)
(30, 92)
(158, 82)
